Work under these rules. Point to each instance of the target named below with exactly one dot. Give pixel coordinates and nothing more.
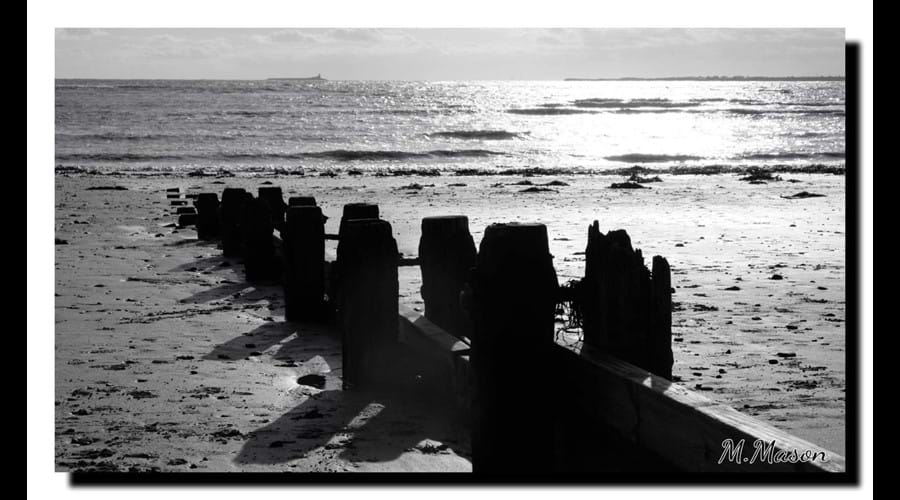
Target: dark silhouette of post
(271, 196)
(207, 216)
(367, 302)
(626, 311)
(230, 208)
(255, 227)
(353, 211)
(188, 219)
(446, 253)
(304, 286)
(185, 210)
(513, 291)
(660, 335)
(301, 201)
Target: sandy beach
(166, 359)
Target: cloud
(459, 53)
(79, 33)
(288, 36)
(356, 35)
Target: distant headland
(309, 78)
(717, 79)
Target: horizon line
(566, 79)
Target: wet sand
(166, 359)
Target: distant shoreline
(716, 79)
(623, 79)
(308, 78)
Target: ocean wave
(748, 111)
(632, 103)
(337, 155)
(758, 102)
(793, 156)
(423, 171)
(547, 111)
(627, 111)
(493, 135)
(114, 136)
(650, 158)
(354, 155)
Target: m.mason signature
(767, 452)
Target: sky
(445, 54)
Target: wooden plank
(416, 330)
(447, 354)
(678, 424)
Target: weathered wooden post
(626, 312)
(661, 358)
(271, 196)
(513, 291)
(255, 227)
(301, 201)
(367, 302)
(187, 216)
(446, 253)
(207, 219)
(185, 220)
(304, 286)
(353, 211)
(232, 198)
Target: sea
(291, 127)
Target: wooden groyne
(488, 332)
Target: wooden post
(368, 302)
(513, 301)
(353, 211)
(301, 201)
(187, 220)
(625, 312)
(304, 286)
(207, 220)
(255, 227)
(446, 253)
(228, 220)
(660, 335)
(271, 196)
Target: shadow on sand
(356, 427)
(288, 343)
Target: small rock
(312, 380)
(627, 185)
(803, 194)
